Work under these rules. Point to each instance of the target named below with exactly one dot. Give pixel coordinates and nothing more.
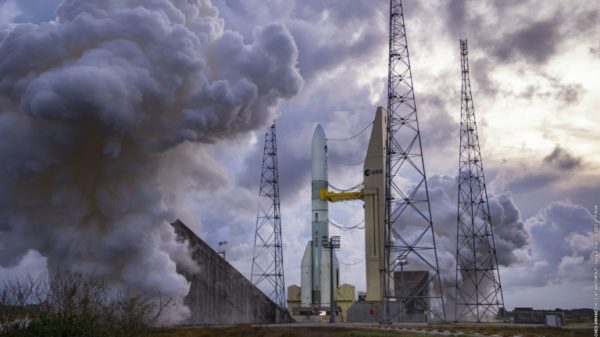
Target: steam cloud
(91, 107)
(510, 234)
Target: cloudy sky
(535, 72)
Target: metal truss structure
(267, 261)
(409, 235)
(478, 290)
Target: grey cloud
(540, 178)
(571, 94)
(350, 13)
(595, 51)
(561, 235)
(460, 21)
(322, 55)
(457, 14)
(508, 226)
(505, 33)
(529, 182)
(562, 159)
(568, 94)
(535, 184)
(511, 39)
(36, 11)
(294, 170)
(481, 71)
(441, 129)
(587, 20)
(509, 229)
(535, 43)
(323, 43)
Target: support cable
(357, 226)
(325, 8)
(353, 137)
(350, 263)
(353, 188)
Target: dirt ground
(369, 330)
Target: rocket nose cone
(319, 154)
(319, 130)
(319, 136)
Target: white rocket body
(315, 279)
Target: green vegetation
(579, 315)
(67, 305)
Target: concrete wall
(219, 294)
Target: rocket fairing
(315, 265)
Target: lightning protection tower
(408, 236)
(478, 290)
(267, 260)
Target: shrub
(71, 305)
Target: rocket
(315, 267)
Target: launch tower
(409, 238)
(478, 290)
(267, 259)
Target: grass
(295, 331)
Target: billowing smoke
(509, 231)
(562, 244)
(95, 105)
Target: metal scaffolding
(409, 237)
(478, 290)
(267, 260)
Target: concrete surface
(219, 294)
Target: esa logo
(369, 172)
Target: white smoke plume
(510, 233)
(94, 110)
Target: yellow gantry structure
(340, 196)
